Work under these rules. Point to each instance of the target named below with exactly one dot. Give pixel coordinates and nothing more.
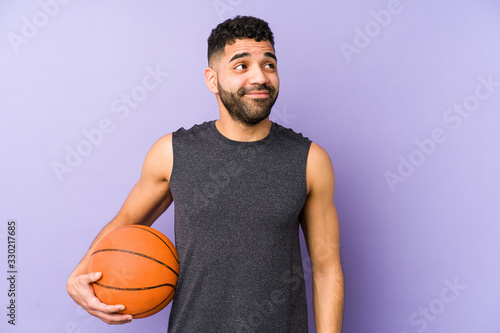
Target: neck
(237, 131)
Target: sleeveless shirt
(237, 207)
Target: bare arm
(149, 198)
(321, 229)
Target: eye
(241, 66)
(272, 66)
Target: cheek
(231, 82)
(275, 80)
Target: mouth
(258, 94)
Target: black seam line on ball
(137, 254)
(134, 289)
(131, 226)
(153, 308)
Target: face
(247, 80)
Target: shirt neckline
(226, 140)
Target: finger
(91, 277)
(95, 303)
(114, 319)
(89, 299)
(83, 286)
(85, 296)
(108, 313)
(84, 282)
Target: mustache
(257, 87)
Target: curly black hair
(239, 27)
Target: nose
(257, 76)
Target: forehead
(250, 46)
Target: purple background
(370, 81)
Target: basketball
(139, 268)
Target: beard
(249, 112)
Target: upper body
(237, 212)
(243, 75)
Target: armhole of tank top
(172, 172)
(308, 145)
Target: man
(241, 185)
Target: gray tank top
(237, 207)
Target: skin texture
(246, 76)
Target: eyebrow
(246, 54)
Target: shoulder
(159, 159)
(163, 145)
(319, 170)
(318, 156)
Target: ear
(211, 80)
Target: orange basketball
(139, 268)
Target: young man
(241, 185)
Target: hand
(80, 289)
